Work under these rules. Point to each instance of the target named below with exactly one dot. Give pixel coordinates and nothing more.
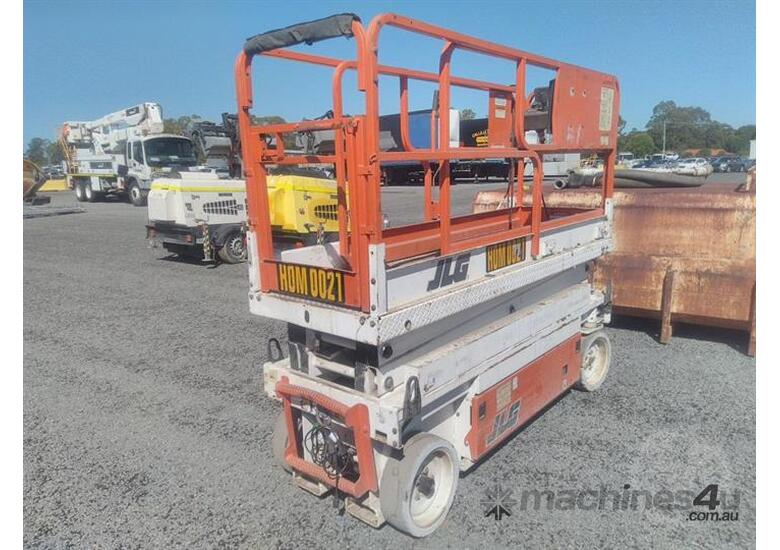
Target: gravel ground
(145, 425)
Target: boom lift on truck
(121, 153)
(414, 351)
(217, 144)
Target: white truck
(122, 152)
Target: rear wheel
(89, 194)
(416, 492)
(78, 189)
(234, 249)
(596, 359)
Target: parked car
(694, 167)
(52, 172)
(730, 164)
(669, 156)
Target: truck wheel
(89, 194)
(596, 358)
(416, 492)
(136, 194)
(279, 441)
(78, 188)
(234, 249)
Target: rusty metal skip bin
(681, 255)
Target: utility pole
(664, 140)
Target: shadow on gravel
(190, 260)
(114, 199)
(736, 339)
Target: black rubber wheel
(234, 249)
(136, 194)
(279, 441)
(89, 194)
(78, 189)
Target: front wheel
(416, 492)
(596, 359)
(137, 196)
(234, 249)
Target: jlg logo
(503, 422)
(447, 273)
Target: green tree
(743, 135)
(289, 139)
(621, 126)
(54, 150)
(685, 126)
(694, 128)
(266, 120)
(178, 126)
(38, 151)
(467, 114)
(639, 143)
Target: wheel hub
(236, 246)
(426, 485)
(590, 358)
(431, 489)
(595, 359)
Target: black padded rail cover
(309, 33)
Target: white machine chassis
(457, 341)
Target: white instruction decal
(605, 112)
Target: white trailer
(197, 214)
(121, 153)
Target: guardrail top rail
(582, 116)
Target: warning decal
(605, 112)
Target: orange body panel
(503, 408)
(500, 119)
(584, 109)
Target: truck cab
(154, 156)
(122, 152)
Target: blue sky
(84, 59)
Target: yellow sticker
(316, 283)
(498, 256)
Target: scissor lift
(415, 350)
